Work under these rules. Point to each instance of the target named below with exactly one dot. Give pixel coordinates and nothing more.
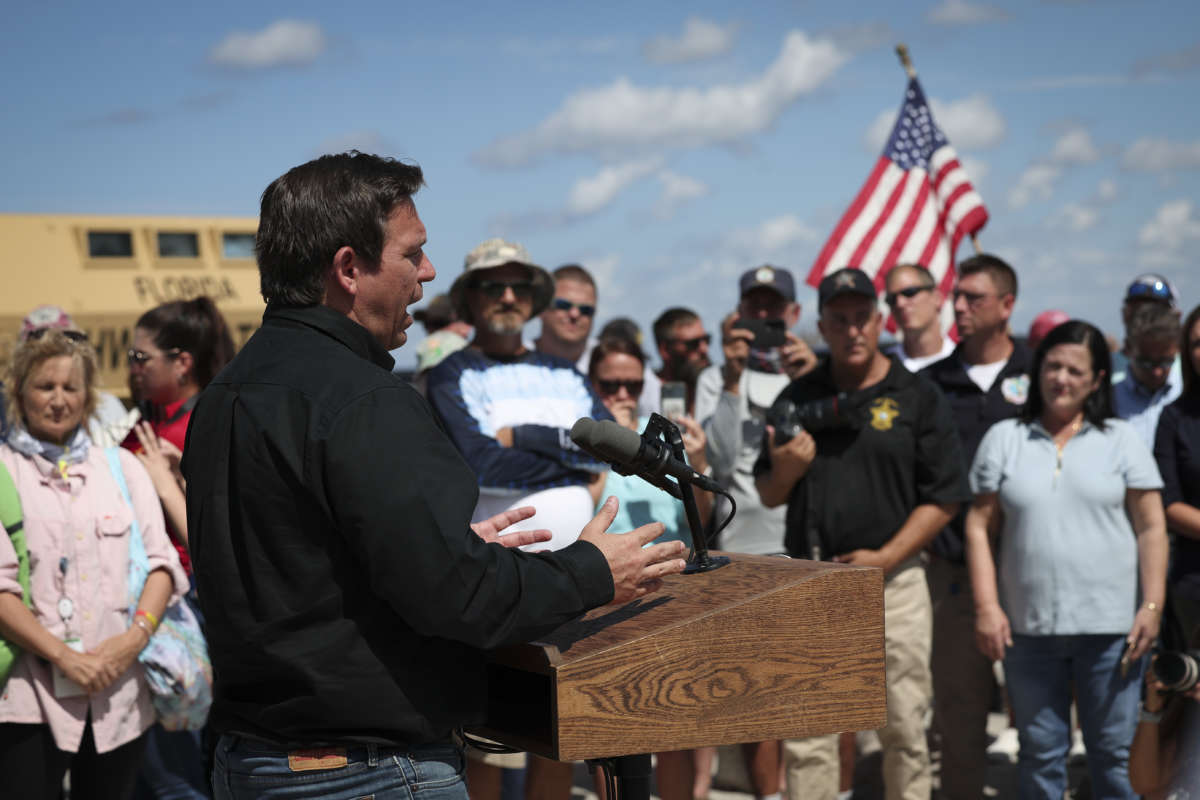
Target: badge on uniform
(64, 686)
(1015, 389)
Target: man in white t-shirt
(916, 302)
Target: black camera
(1176, 670)
(815, 416)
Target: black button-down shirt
(346, 599)
(974, 412)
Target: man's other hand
(490, 529)
(636, 570)
(735, 344)
(798, 357)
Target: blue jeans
(1041, 671)
(245, 769)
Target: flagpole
(906, 62)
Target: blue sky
(667, 147)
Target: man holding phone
(761, 356)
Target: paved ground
(1000, 783)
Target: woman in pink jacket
(77, 697)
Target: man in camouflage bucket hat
(509, 411)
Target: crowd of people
(1033, 502)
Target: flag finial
(905, 61)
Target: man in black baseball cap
(869, 465)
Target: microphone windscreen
(581, 432)
(615, 441)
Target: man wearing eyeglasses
(916, 302)
(567, 323)
(509, 410)
(985, 380)
(682, 345)
(1149, 288)
(870, 485)
(1153, 379)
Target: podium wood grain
(764, 648)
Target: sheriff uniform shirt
(864, 483)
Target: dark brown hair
(191, 326)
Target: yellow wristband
(153, 620)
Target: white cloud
(1164, 237)
(960, 12)
(282, 43)
(613, 120)
(971, 123)
(594, 193)
(700, 39)
(772, 237)
(1106, 191)
(1037, 182)
(977, 169)
(1074, 147)
(1152, 154)
(604, 271)
(1074, 217)
(676, 191)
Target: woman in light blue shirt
(1074, 495)
(615, 371)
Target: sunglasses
(1150, 289)
(693, 344)
(1150, 364)
(38, 333)
(496, 289)
(612, 387)
(910, 293)
(139, 357)
(562, 304)
(972, 298)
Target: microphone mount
(661, 428)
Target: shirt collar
(336, 326)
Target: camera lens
(1177, 671)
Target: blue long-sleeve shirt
(539, 396)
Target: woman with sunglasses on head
(615, 370)
(76, 698)
(1073, 494)
(1177, 451)
(177, 349)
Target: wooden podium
(762, 648)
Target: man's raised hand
(636, 570)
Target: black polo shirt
(974, 412)
(864, 483)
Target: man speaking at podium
(348, 601)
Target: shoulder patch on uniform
(1015, 389)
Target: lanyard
(66, 606)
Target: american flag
(916, 205)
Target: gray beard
(498, 327)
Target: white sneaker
(1004, 749)
(1077, 752)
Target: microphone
(631, 452)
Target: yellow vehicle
(105, 271)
